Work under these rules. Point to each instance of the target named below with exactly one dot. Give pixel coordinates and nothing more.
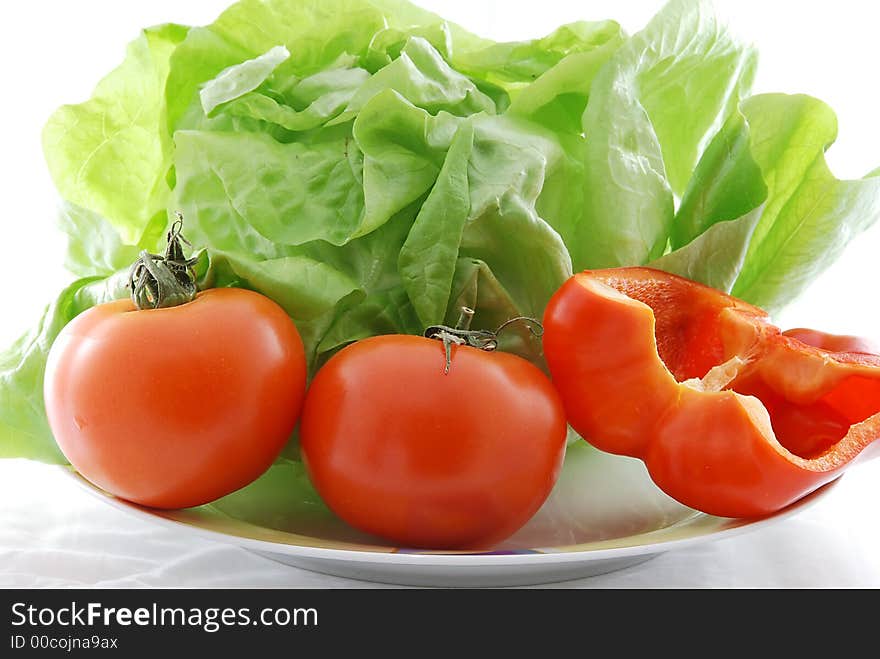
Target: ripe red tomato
(400, 450)
(176, 407)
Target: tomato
(175, 407)
(403, 451)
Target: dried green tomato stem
(461, 334)
(162, 281)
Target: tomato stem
(465, 318)
(486, 340)
(162, 281)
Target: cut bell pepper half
(732, 416)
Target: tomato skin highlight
(176, 407)
(402, 451)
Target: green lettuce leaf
(784, 217)
(96, 249)
(107, 154)
(512, 64)
(726, 185)
(316, 33)
(508, 169)
(404, 149)
(652, 107)
(810, 215)
(328, 93)
(240, 79)
(558, 97)
(289, 193)
(716, 257)
(422, 76)
(428, 257)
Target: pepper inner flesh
(809, 430)
(813, 396)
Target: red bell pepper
(834, 342)
(731, 416)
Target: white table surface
(54, 534)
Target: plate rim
(441, 559)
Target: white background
(53, 52)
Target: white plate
(604, 514)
